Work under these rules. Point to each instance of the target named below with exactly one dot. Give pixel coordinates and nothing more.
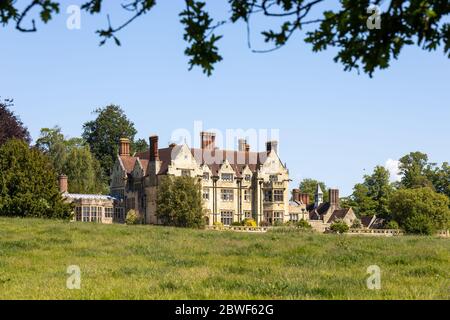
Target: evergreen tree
(179, 202)
(28, 183)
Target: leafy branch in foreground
(342, 25)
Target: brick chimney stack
(272, 145)
(334, 196)
(296, 195)
(247, 148)
(208, 140)
(154, 151)
(124, 147)
(304, 197)
(242, 145)
(63, 183)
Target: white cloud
(393, 167)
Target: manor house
(236, 184)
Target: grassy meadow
(147, 262)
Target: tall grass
(147, 262)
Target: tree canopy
(73, 158)
(417, 172)
(103, 134)
(415, 169)
(179, 202)
(420, 210)
(28, 183)
(347, 25)
(309, 186)
(372, 196)
(10, 124)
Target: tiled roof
(144, 164)
(237, 159)
(338, 214)
(128, 163)
(367, 221)
(321, 209)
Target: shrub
(250, 223)
(218, 224)
(236, 224)
(303, 224)
(339, 226)
(264, 224)
(278, 224)
(392, 225)
(132, 218)
(357, 224)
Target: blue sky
(334, 125)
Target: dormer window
(206, 176)
(227, 177)
(248, 177)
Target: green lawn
(145, 262)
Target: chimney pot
(124, 147)
(334, 196)
(305, 198)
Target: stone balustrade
(376, 232)
(239, 229)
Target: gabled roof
(368, 221)
(128, 163)
(321, 209)
(338, 214)
(237, 159)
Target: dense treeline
(418, 203)
(28, 173)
